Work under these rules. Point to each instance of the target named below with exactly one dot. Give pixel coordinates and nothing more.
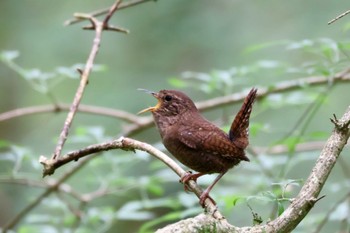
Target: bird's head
(170, 103)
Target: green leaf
(317, 135)
(155, 189)
(177, 83)
(236, 199)
(257, 47)
(256, 127)
(280, 208)
(4, 144)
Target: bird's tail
(239, 128)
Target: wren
(196, 142)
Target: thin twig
(105, 11)
(46, 193)
(141, 123)
(308, 194)
(111, 11)
(330, 211)
(343, 76)
(339, 16)
(115, 113)
(98, 27)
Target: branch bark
(130, 145)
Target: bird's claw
(205, 196)
(184, 179)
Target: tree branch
(127, 144)
(141, 123)
(300, 205)
(286, 222)
(105, 11)
(339, 17)
(98, 27)
(284, 86)
(128, 117)
(46, 193)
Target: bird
(196, 142)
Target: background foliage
(205, 48)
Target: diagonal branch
(286, 222)
(304, 201)
(46, 193)
(126, 144)
(98, 27)
(308, 195)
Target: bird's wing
(202, 137)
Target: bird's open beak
(155, 94)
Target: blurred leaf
(177, 83)
(69, 72)
(236, 199)
(268, 64)
(9, 55)
(280, 208)
(91, 134)
(317, 135)
(291, 142)
(257, 47)
(4, 144)
(266, 196)
(155, 188)
(344, 45)
(284, 183)
(37, 229)
(342, 212)
(300, 44)
(136, 210)
(255, 128)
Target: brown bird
(196, 142)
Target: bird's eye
(168, 97)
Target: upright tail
(239, 128)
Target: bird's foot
(187, 177)
(184, 179)
(203, 197)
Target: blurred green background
(221, 47)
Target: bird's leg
(205, 194)
(189, 176)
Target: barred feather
(239, 131)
